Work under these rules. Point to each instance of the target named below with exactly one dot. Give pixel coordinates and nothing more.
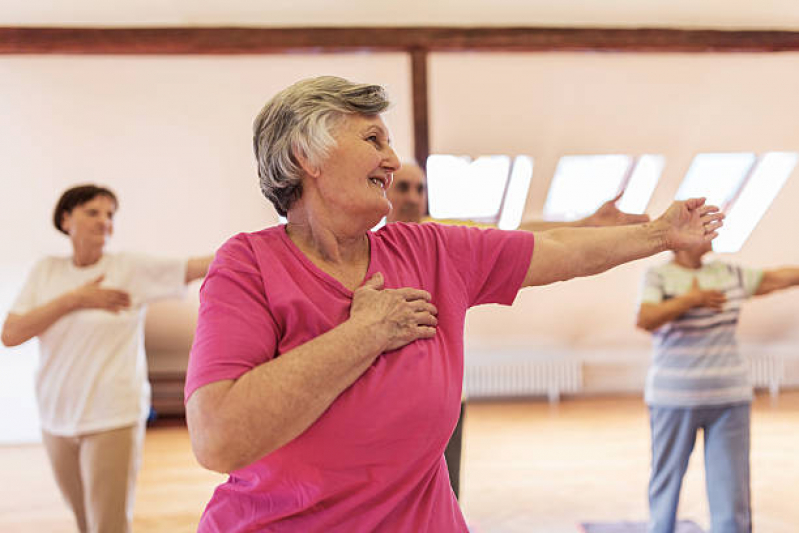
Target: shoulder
(47, 265)
(247, 248)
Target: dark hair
(76, 196)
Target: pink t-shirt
(374, 460)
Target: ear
(66, 219)
(305, 163)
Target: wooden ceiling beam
(230, 41)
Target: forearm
(567, 253)
(197, 267)
(274, 403)
(20, 328)
(778, 279)
(543, 225)
(652, 316)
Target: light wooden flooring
(528, 467)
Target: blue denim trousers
(726, 433)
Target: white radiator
(767, 371)
(550, 378)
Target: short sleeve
(157, 278)
(28, 297)
(235, 328)
(491, 263)
(652, 287)
(749, 279)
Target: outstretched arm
(777, 280)
(197, 267)
(607, 215)
(567, 253)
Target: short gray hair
(300, 120)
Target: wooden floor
(528, 467)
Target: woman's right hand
(397, 316)
(92, 296)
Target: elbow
(213, 452)
(9, 339)
(645, 325)
(219, 448)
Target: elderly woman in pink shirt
(326, 370)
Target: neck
(321, 238)
(688, 260)
(83, 256)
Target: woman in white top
(88, 312)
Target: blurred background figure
(88, 310)
(699, 380)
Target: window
(486, 189)
(769, 174)
(717, 177)
(582, 183)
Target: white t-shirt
(92, 372)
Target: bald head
(408, 194)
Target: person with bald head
(408, 194)
(408, 197)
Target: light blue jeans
(726, 431)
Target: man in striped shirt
(698, 379)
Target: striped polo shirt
(696, 361)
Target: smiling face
(355, 175)
(91, 223)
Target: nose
(391, 162)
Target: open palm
(690, 223)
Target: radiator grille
(767, 371)
(534, 378)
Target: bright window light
(642, 184)
(584, 182)
(768, 177)
(717, 177)
(516, 195)
(462, 188)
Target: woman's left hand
(689, 223)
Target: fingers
(705, 209)
(426, 319)
(411, 294)
(711, 227)
(375, 282)
(616, 198)
(694, 203)
(425, 332)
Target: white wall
(171, 135)
(550, 105)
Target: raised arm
(19, 328)
(197, 267)
(651, 316)
(607, 215)
(234, 423)
(777, 280)
(566, 253)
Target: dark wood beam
(421, 129)
(32, 40)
